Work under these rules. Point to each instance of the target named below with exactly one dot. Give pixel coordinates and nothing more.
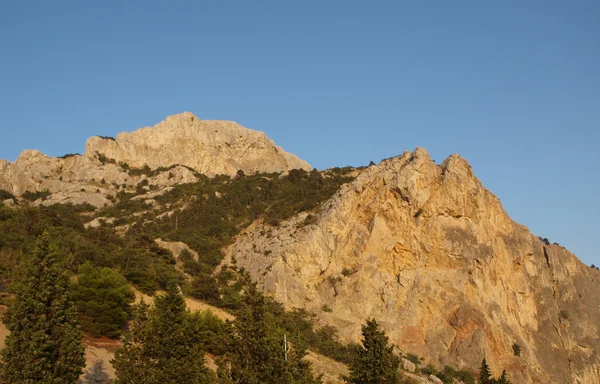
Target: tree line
(165, 342)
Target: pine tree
(97, 374)
(504, 378)
(162, 346)
(375, 362)
(132, 361)
(44, 344)
(103, 299)
(485, 376)
(256, 350)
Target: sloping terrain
(168, 154)
(430, 253)
(423, 248)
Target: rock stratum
(181, 141)
(432, 255)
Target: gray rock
(408, 365)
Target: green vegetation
(485, 376)
(103, 300)
(164, 345)
(68, 155)
(326, 308)
(449, 374)
(136, 256)
(413, 358)
(33, 196)
(375, 362)
(256, 349)
(103, 159)
(44, 344)
(516, 349)
(208, 214)
(6, 195)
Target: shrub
(516, 349)
(429, 369)
(33, 196)
(103, 300)
(413, 358)
(4, 195)
(204, 287)
(326, 308)
(69, 155)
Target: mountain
(205, 146)
(432, 255)
(422, 247)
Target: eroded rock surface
(432, 255)
(208, 147)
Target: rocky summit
(183, 143)
(428, 251)
(422, 247)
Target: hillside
(168, 154)
(432, 254)
(423, 248)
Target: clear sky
(512, 86)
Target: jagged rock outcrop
(432, 255)
(209, 147)
(79, 179)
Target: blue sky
(513, 86)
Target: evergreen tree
(132, 361)
(485, 376)
(256, 349)
(504, 378)
(375, 362)
(44, 344)
(97, 375)
(103, 299)
(163, 347)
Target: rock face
(432, 255)
(408, 365)
(209, 147)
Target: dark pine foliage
(256, 352)
(163, 345)
(485, 376)
(103, 299)
(375, 362)
(44, 344)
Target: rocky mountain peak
(431, 254)
(209, 146)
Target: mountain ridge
(429, 252)
(206, 146)
(422, 247)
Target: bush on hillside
(103, 299)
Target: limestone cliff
(209, 147)
(432, 255)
